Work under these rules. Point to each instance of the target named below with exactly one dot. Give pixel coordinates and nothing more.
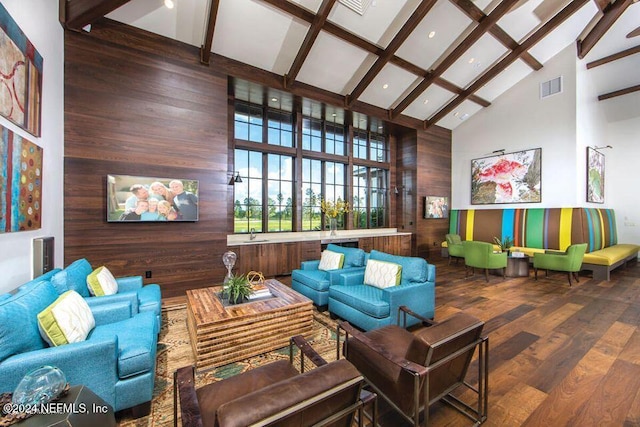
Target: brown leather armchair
(411, 371)
(276, 394)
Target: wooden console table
(223, 334)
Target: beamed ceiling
(431, 62)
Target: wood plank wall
(140, 104)
(134, 113)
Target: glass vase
(333, 226)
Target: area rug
(174, 351)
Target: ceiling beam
(205, 49)
(475, 35)
(620, 92)
(402, 35)
(614, 57)
(634, 33)
(611, 14)
(75, 14)
(312, 34)
(531, 41)
(602, 4)
(475, 13)
(344, 35)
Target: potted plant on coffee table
(237, 289)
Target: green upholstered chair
(569, 261)
(454, 247)
(481, 255)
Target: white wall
(519, 120)
(38, 19)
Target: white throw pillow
(331, 260)
(68, 319)
(382, 274)
(101, 282)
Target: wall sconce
(235, 178)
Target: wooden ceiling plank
(614, 57)
(418, 14)
(475, 35)
(205, 49)
(620, 92)
(611, 14)
(531, 41)
(312, 34)
(75, 14)
(475, 13)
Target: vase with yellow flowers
(332, 210)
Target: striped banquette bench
(538, 229)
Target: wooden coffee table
(224, 334)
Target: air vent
(358, 6)
(550, 87)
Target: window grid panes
(378, 206)
(359, 144)
(247, 205)
(335, 188)
(280, 193)
(378, 148)
(248, 122)
(311, 134)
(280, 128)
(370, 199)
(311, 190)
(334, 139)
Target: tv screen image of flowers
(151, 199)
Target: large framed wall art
(507, 178)
(20, 183)
(595, 176)
(20, 76)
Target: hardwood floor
(558, 355)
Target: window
(370, 198)
(247, 205)
(280, 192)
(311, 191)
(248, 122)
(280, 128)
(269, 199)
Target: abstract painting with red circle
(20, 183)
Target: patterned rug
(174, 351)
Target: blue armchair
(370, 307)
(116, 361)
(314, 283)
(131, 289)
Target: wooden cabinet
(274, 259)
(394, 244)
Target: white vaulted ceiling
(464, 70)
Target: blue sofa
(369, 307)
(117, 360)
(314, 283)
(131, 289)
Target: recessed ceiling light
(471, 60)
(464, 116)
(432, 34)
(426, 101)
(169, 4)
(456, 114)
(385, 86)
(333, 114)
(274, 99)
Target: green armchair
(481, 255)
(569, 261)
(454, 247)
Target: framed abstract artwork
(507, 178)
(595, 176)
(20, 76)
(20, 183)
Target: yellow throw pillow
(331, 260)
(101, 282)
(68, 319)
(382, 274)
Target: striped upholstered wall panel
(543, 228)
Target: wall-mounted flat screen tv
(142, 198)
(436, 207)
